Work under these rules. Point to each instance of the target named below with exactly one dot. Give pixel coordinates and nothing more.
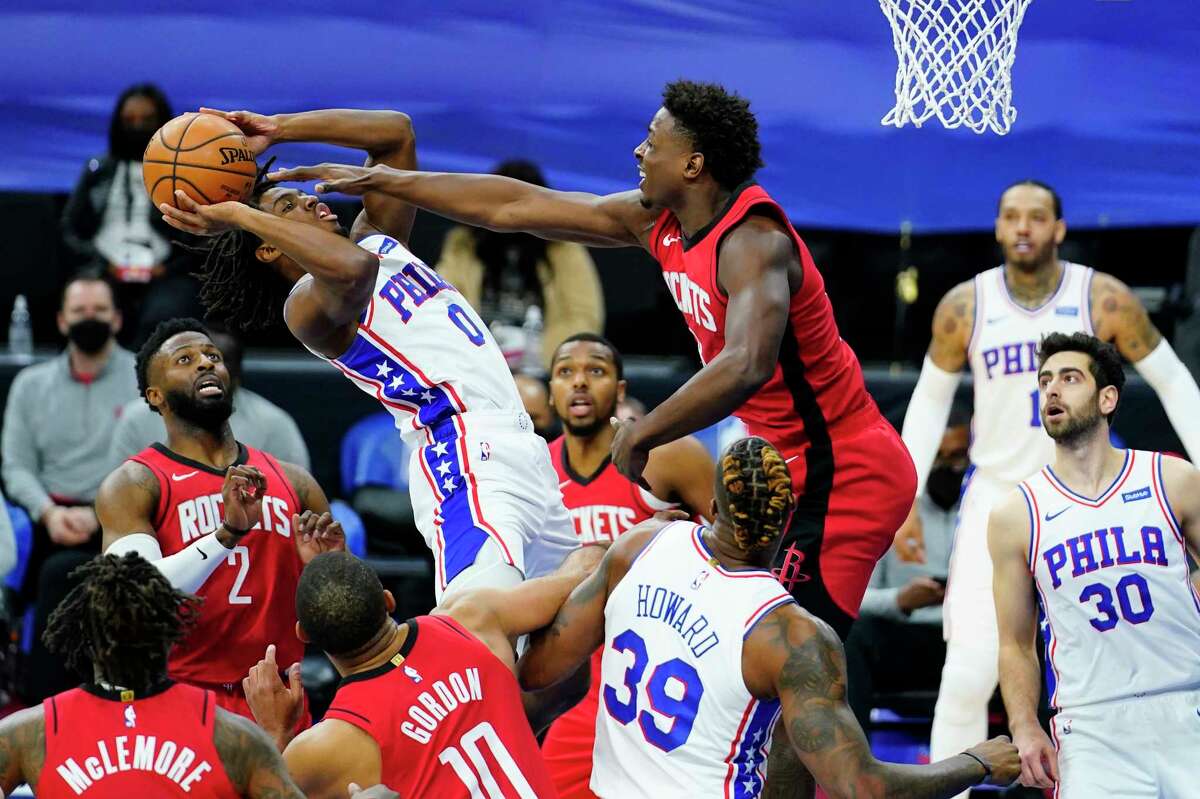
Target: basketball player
(703, 650)
(586, 384)
(756, 304)
(482, 486)
(219, 519)
(994, 322)
(1100, 538)
(130, 730)
(430, 705)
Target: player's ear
(712, 510)
(1107, 400)
(62, 324)
(389, 601)
(694, 166)
(1060, 231)
(301, 634)
(154, 397)
(117, 321)
(267, 253)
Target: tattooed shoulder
(253, 765)
(22, 747)
(1118, 316)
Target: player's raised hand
(276, 707)
(1000, 758)
(202, 220)
(331, 178)
(317, 533)
(1038, 758)
(242, 495)
(261, 131)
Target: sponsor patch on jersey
(387, 245)
(1134, 496)
(1067, 310)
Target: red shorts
(230, 697)
(567, 749)
(853, 493)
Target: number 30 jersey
(1007, 440)
(421, 350)
(1121, 618)
(675, 716)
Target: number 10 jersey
(675, 716)
(1121, 618)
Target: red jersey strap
(656, 233)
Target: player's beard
(591, 428)
(1078, 427)
(209, 414)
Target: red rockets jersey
(604, 505)
(447, 716)
(101, 747)
(250, 600)
(816, 392)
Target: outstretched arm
(495, 202)
(755, 260)
(799, 659)
(1016, 619)
(577, 629)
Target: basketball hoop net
(955, 61)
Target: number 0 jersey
(1121, 616)
(1007, 440)
(421, 350)
(675, 716)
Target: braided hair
(236, 288)
(754, 493)
(123, 617)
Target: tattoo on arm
(22, 749)
(253, 765)
(1118, 316)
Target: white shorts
(1130, 748)
(969, 605)
(486, 476)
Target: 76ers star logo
(790, 571)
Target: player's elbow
(754, 369)
(397, 129)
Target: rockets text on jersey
(1007, 440)
(249, 601)
(447, 716)
(100, 744)
(675, 715)
(420, 348)
(1121, 617)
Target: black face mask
(90, 335)
(130, 143)
(943, 485)
(206, 413)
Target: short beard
(208, 415)
(590, 429)
(1076, 429)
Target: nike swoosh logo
(203, 554)
(1052, 516)
(997, 319)
(789, 460)
(563, 484)
(178, 477)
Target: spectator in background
(535, 396)
(56, 446)
(503, 274)
(631, 409)
(112, 228)
(256, 421)
(896, 644)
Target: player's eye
(288, 207)
(182, 359)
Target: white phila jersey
(1007, 440)
(675, 717)
(1121, 618)
(421, 350)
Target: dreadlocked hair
(236, 288)
(123, 617)
(754, 491)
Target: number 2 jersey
(250, 600)
(1121, 616)
(448, 718)
(675, 716)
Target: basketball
(204, 155)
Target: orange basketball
(204, 155)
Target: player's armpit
(1119, 316)
(253, 765)
(953, 321)
(22, 748)
(126, 502)
(330, 755)
(1181, 481)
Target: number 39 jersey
(1007, 440)
(1121, 618)
(675, 716)
(421, 350)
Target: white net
(955, 61)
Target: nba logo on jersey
(412, 674)
(485, 450)
(700, 578)
(130, 716)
